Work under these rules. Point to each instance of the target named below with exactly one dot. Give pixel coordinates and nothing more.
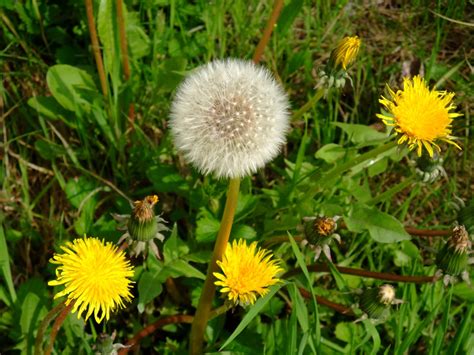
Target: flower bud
(318, 231)
(376, 301)
(453, 257)
(429, 168)
(142, 225)
(345, 52)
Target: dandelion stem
(57, 325)
(95, 46)
(203, 310)
(278, 5)
(366, 273)
(179, 318)
(44, 324)
(298, 114)
(325, 302)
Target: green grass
(71, 157)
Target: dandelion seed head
(229, 118)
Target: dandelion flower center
(247, 272)
(95, 275)
(420, 115)
(229, 118)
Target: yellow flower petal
(95, 275)
(420, 115)
(246, 272)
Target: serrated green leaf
(72, 87)
(382, 227)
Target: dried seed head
(376, 301)
(229, 118)
(453, 257)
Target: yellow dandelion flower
(346, 51)
(420, 115)
(246, 272)
(95, 275)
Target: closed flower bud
(376, 301)
(142, 225)
(345, 52)
(453, 257)
(429, 169)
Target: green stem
(203, 309)
(392, 191)
(327, 177)
(298, 114)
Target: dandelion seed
(420, 115)
(247, 272)
(222, 118)
(95, 275)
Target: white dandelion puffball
(229, 118)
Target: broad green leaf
(165, 178)
(48, 107)
(382, 227)
(361, 134)
(243, 231)
(180, 267)
(252, 313)
(71, 87)
(149, 287)
(174, 247)
(207, 227)
(137, 39)
(331, 153)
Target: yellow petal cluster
(420, 115)
(95, 275)
(247, 272)
(346, 51)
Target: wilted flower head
(453, 258)
(247, 272)
(142, 227)
(375, 302)
(345, 52)
(319, 232)
(420, 115)
(229, 118)
(95, 275)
